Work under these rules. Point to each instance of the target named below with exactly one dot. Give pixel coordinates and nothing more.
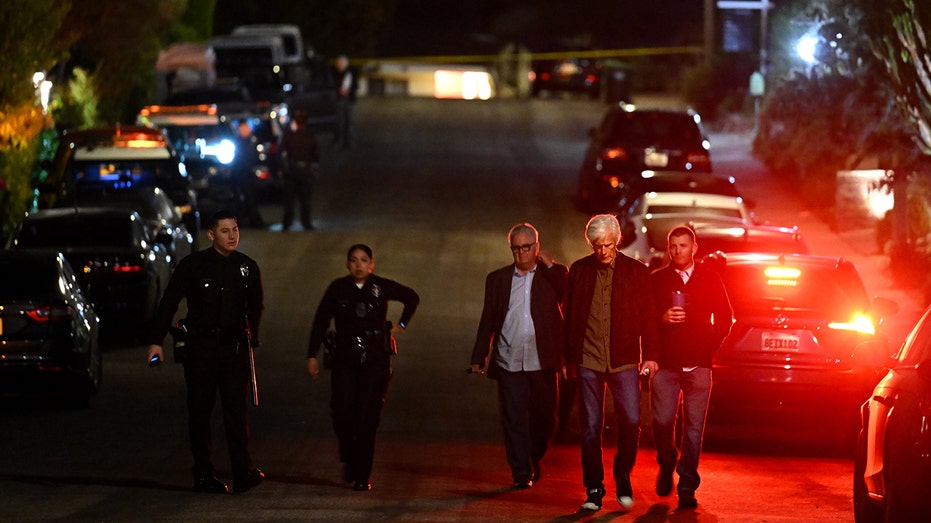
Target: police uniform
(361, 362)
(300, 148)
(224, 296)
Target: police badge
(376, 290)
(244, 270)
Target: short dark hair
(359, 247)
(221, 215)
(681, 230)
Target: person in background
(300, 165)
(610, 341)
(347, 84)
(223, 291)
(243, 175)
(522, 327)
(696, 317)
(357, 304)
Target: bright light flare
(806, 47)
(859, 323)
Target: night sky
(450, 26)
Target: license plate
(780, 341)
(655, 159)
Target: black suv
(577, 75)
(630, 140)
(806, 347)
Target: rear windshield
(645, 128)
(23, 280)
(77, 231)
(124, 174)
(829, 290)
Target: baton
(255, 384)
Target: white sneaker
(625, 501)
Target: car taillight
(614, 153)
(108, 266)
(49, 313)
(590, 79)
(858, 323)
(698, 159)
(127, 267)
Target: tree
(899, 32)
(31, 41)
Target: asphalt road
(433, 187)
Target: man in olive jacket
(522, 328)
(610, 341)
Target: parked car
(630, 140)
(575, 75)
(158, 213)
(121, 268)
(650, 180)
(120, 157)
(649, 218)
(713, 234)
(892, 468)
(806, 347)
(49, 343)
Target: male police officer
(223, 289)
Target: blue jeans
(625, 388)
(695, 387)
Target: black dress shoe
(245, 483)
(210, 484)
(687, 500)
(362, 486)
(664, 483)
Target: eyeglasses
(522, 248)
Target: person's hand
(154, 350)
(313, 368)
(546, 258)
(477, 369)
(674, 315)
(397, 329)
(649, 368)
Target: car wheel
(897, 505)
(865, 510)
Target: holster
(179, 335)
(329, 347)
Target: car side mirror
(884, 307)
(874, 353)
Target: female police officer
(361, 359)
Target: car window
(820, 290)
(645, 128)
(21, 280)
(701, 211)
(916, 349)
(82, 231)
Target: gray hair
(602, 225)
(525, 228)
